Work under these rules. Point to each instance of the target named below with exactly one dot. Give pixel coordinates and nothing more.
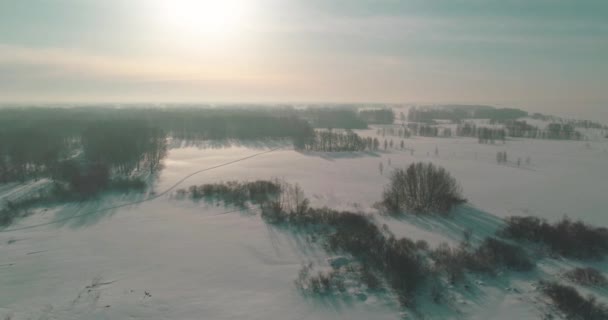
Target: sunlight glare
(210, 18)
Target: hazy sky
(547, 55)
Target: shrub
(572, 304)
(400, 262)
(289, 206)
(381, 259)
(452, 261)
(490, 256)
(568, 238)
(493, 253)
(321, 283)
(9, 215)
(586, 277)
(422, 188)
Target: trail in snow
(156, 196)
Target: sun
(210, 18)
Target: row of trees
(332, 118)
(392, 131)
(425, 130)
(332, 141)
(491, 135)
(458, 113)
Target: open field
(170, 258)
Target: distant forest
(558, 129)
(88, 148)
(457, 114)
(378, 116)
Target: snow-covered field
(176, 259)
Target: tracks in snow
(156, 196)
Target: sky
(541, 55)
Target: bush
(572, 304)
(422, 188)
(9, 215)
(494, 253)
(568, 238)
(400, 262)
(451, 261)
(586, 277)
(321, 283)
(490, 256)
(381, 259)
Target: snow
(176, 259)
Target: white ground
(197, 263)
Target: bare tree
(422, 188)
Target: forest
(378, 116)
(332, 141)
(457, 113)
(89, 147)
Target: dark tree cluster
(124, 146)
(521, 129)
(86, 160)
(501, 114)
(466, 130)
(587, 124)
(457, 113)
(560, 131)
(321, 283)
(587, 276)
(428, 131)
(518, 129)
(566, 237)
(572, 304)
(392, 131)
(35, 141)
(211, 124)
(492, 255)
(336, 118)
(483, 134)
(31, 152)
(491, 135)
(378, 116)
(428, 115)
(16, 209)
(234, 192)
(335, 141)
(422, 188)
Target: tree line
(335, 141)
(378, 116)
(95, 144)
(457, 114)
